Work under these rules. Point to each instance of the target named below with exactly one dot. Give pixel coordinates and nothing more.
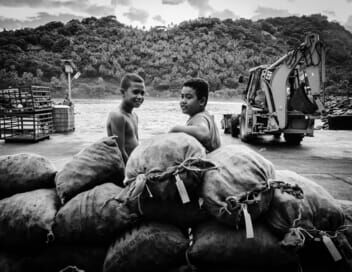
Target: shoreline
(234, 99)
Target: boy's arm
(137, 120)
(198, 129)
(117, 125)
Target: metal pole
(69, 86)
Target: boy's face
(190, 104)
(134, 95)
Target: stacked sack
(163, 178)
(28, 200)
(314, 226)
(171, 208)
(86, 209)
(267, 219)
(87, 186)
(238, 194)
(46, 216)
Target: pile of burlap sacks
(172, 207)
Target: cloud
(204, 9)
(95, 10)
(85, 6)
(159, 19)
(42, 3)
(22, 3)
(121, 2)
(330, 13)
(202, 6)
(10, 23)
(82, 5)
(138, 15)
(348, 24)
(349, 1)
(172, 2)
(265, 12)
(44, 17)
(224, 14)
(41, 19)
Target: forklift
(284, 97)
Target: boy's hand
(118, 129)
(177, 129)
(200, 132)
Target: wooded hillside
(219, 51)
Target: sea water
(156, 116)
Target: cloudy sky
(31, 13)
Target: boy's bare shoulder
(116, 116)
(198, 119)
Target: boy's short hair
(128, 78)
(200, 86)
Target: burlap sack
(10, 263)
(27, 218)
(292, 217)
(154, 171)
(93, 217)
(98, 163)
(169, 212)
(236, 268)
(346, 206)
(25, 172)
(151, 247)
(343, 236)
(315, 255)
(58, 257)
(54, 258)
(216, 244)
(242, 178)
(160, 157)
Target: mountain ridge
(218, 50)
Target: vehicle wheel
(293, 139)
(243, 133)
(277, 135)
(227, 130)
(235, 122)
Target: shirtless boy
(201, 125)
(123, 122)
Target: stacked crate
(63, 118)
(25, 114)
